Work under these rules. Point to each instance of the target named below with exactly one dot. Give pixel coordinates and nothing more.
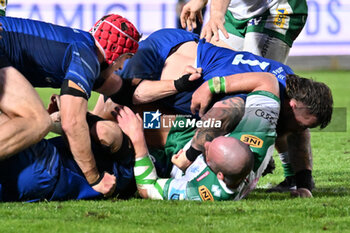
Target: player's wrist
(92, 176)
(185, 84)
(98, 180)
(192, 154)
(140, 148)
(217, 85)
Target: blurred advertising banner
(327, 30)
(325, 33)
(147, 16)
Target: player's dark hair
(316, 96)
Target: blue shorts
(48, 171)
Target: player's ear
(220, 176)
(293, 103)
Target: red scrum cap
(116, 35)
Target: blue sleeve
(82, 66)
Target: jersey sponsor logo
(267, 116)
(151, 120)
(254, 21)
(205, 193)
(202, 176)
(252, 140)
(280, 19)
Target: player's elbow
(138, 98)
(270, 84)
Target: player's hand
(107, 185)
(130, 123)
(190, 80)
(180, 160)
(54, 104)
(196, 73)
(301, 192)
(190, 12)
(201, 99)
(212, 27)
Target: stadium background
(325, 35)
(322, 52)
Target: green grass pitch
(328, 210)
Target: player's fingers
(193, 20)
(139, 117)
(189, 24)
(202, 35)
(216, 34)
(128, 111)
(183, 18)
(194, 107)
(202, 109)
(223, 30)
(208, 35)
(178, 153)
(190, 70)
(174, 158)
(194, 76)
(121, 112)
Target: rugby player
(166, 53)
(47, 170)
(39, 54)
(267, 29)
(227, 170)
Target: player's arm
(73, 119)
(151, 90)
(300, 154)
(229, 112)
(244, 82)
(147, 181)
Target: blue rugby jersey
(46, 54)
(218, 61)
(149, 60)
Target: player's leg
(272, 33)
(266, 46)
(289, 182)
(29, 121)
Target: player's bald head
(231, 157)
